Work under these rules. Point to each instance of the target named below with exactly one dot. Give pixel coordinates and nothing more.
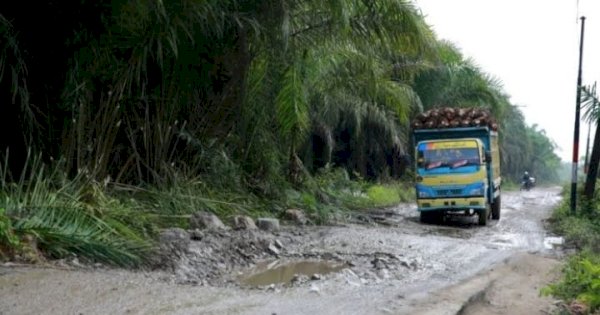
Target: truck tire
(483, 216)
(429, 216)
(496, 209)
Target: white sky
(532, 46)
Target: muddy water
(391, 267)
(278, 272)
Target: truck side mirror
(488, 156)
(420, 159)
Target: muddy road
(382, 262)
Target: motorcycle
(527, 184)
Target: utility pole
(576, 131)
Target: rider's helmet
(526, 173)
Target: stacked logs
(452, 117)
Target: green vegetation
(116, 224)
(139, 113)
(387, 195)
(581, 284)
(581, 281)
(581, 275)
(8, 240)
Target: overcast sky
(532, 46)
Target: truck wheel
(429, 216)
(483, 216)
(496, 209)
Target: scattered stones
(273, 249)
(313, 288)
(278, 244)
(409, 264)
(296, 215)
(173, 244)
(243, 222)
(379, 263)
(268, 224)
(578, 308)
(299, 278)
(196, 235)
(174, 239)
(206, 220)
(214, 256)
(351, 278)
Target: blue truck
(457, 172)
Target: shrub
(581, 281)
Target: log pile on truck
(451, 117)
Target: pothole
(279, 272)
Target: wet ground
(382, 262)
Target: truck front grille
(448, 192)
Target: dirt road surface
(382, 262)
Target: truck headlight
(424, 191)
(478, 190)
(423, 194)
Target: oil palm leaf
(292, 106)
(590, 103)
(61, 231)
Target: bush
(581, 281)
(581, 229)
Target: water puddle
(277, 272)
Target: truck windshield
(450, 157)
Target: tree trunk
(590, 181)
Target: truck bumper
(451, 203)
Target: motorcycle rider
(526, 180)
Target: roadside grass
(332, 193)
(580, 284)
(389, 194)
(45, 214)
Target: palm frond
(291, 103)
(62, 231)
(590, 103)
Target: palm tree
(591, 109)
(455, 81)
(515, 146)
(137, 88)
(335, 74)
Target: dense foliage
(224, 99)
(137, 90)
